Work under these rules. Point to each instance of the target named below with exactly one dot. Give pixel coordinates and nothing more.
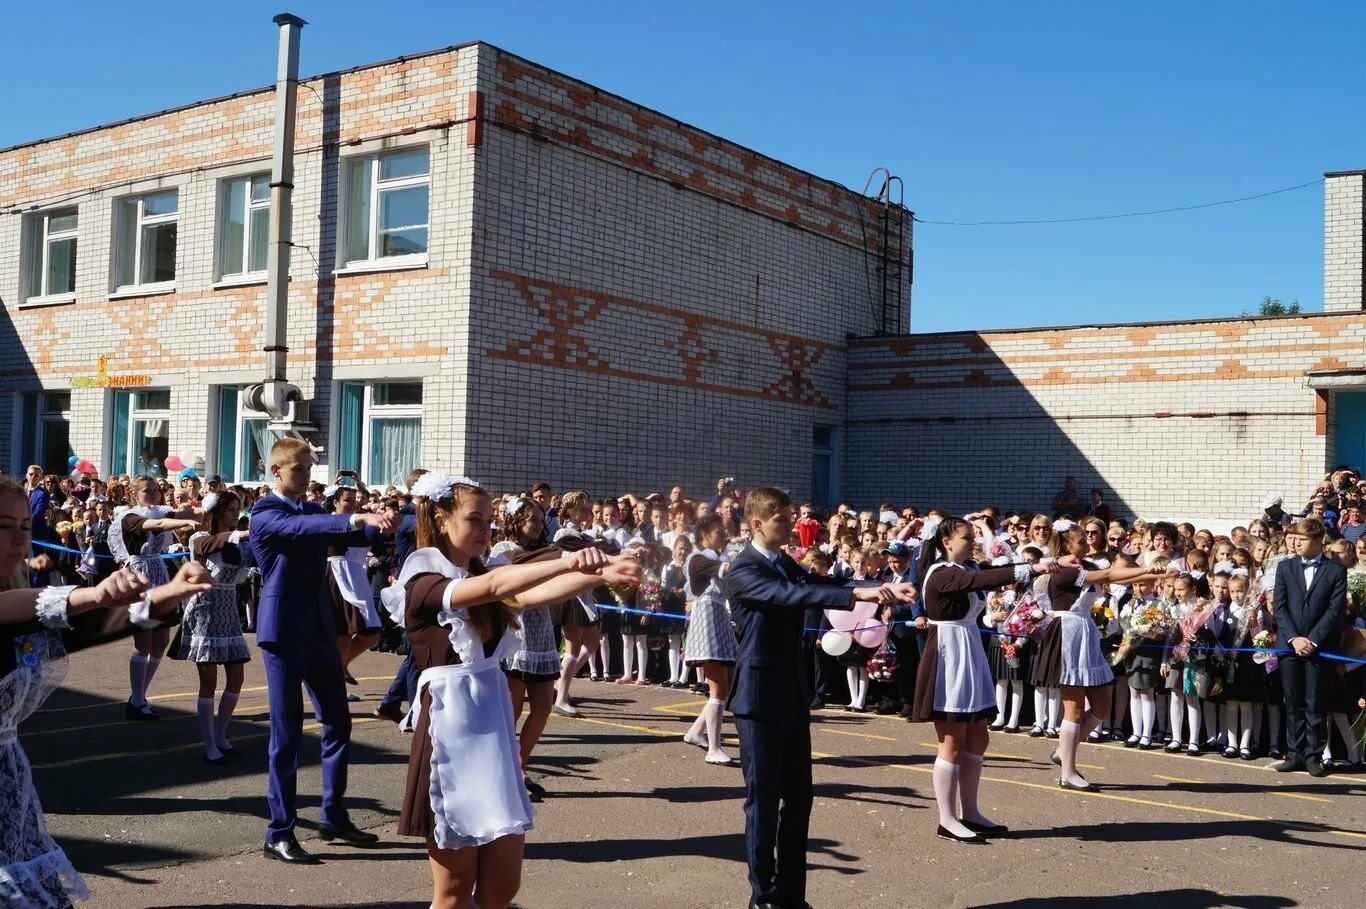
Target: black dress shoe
(348, 834)
(987, 829)
(142, 714)
(943, 833)
(351, 679)
(289, 851)
(754, 905)
(391, 712)
(1316, 768)
(1289, 765)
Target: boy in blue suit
(768, 594)
(297, 634)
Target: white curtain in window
(155, 429)
(256, 442)
(395, 449)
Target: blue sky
(987, 110)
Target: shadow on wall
(1156, 416)
(951, 426)
(18, 374)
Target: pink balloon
(872, 638)
(173, 464)
(848, 620)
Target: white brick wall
(1343, 236)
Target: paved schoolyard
(636, 819)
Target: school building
(506, 272)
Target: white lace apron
(962, 682)
(354, 584)
(34, 872)
(147, 559)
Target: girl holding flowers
(1145, 621)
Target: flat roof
(1215, 320)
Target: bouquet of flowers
(1102, 614)
(1265, 642)
(1026, 620)
(882, 665)
(1356, 590)
(1151, 623)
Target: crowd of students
(1183, 616)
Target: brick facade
(1344, 193)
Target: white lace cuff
(140, 613)
(1022, 572)
(51, 607)
(1081, 579)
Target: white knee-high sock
(1193, 720)
(1090, 723)
(675, 667)
(152, 664)
(1135, 711)
(628, 656)
(206, 730)
(862, 687)
(1002, 692)
(946, 782)
(1054, 707)
(642, 657)
(969, 781)
(605, 654)
(714, 717)
(137, 680)
(851, 682)
(1041, 707)
(1208, 710)
(1245, 717)
(1069, 737)
(1017, 688)
(1176, 716)
(226, 705)
(1149, 705)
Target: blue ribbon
(1336, 657)
(167, 556)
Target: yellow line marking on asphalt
(1307, 798)
(185, 694)
(1176, 779)
(680, 707)
(191, 746)
(1012, 757)
(860, 735)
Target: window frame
(136, 415)
(33, 435)
(142, 220)
(371, 161)
(41, 236)
(370, 412)
(233, 473)
(248, 274)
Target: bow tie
(1312, 563)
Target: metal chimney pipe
(281, 205)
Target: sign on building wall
(102, 378)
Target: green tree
(1274, 307)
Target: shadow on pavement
(1185, 830)
(1169, 899)
(722, 846)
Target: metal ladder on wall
(891, 265)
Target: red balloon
(173, 464)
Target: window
(52, 256)
(146, 240)
(44, 431)
(823, 480)
(140, 431)
(386, 205)
(380, 430)
(243, 441)
(245, 227)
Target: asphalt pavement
(635, 818)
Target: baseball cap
(1271, 500)
(213, 478)
(897, 548)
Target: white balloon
(836, 643)
(186, 457)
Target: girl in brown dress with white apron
(465, 794)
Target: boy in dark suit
(768, 594)
(297, 634)
(1309, 601)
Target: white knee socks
(675, 664)
(226, 705)
(1208, 709)
(1054, 707)
(969, 781)
(206, 728)
(1002, 691)
(1069, 736)
(1040, 707)
(642, 656)
(1176, 715)
(851, 680)
(152, 664)
(1193, 721)
(1148, 707)
(713, 714)
(1017, 687)
(946, 782)
(137, 680)
(628, 656)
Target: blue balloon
(188, 474)
(72, 461)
